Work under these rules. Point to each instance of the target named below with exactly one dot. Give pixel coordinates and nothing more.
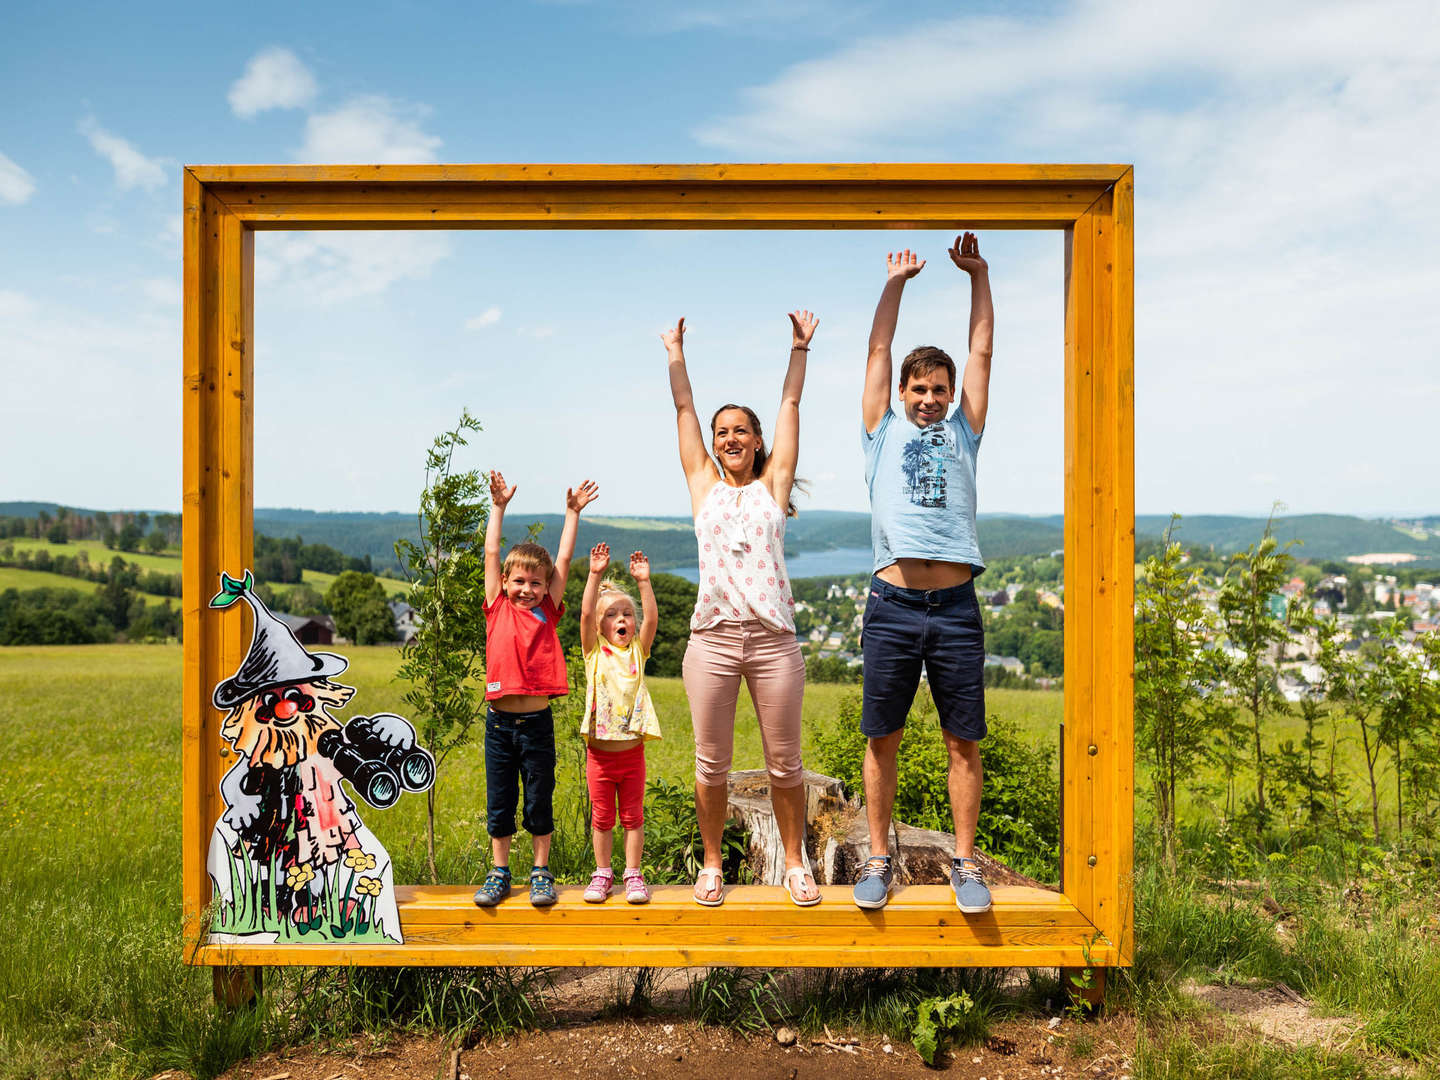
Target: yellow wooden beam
(658, 196)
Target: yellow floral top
(617, 704)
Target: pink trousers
(716, 660)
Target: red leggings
(616, 776)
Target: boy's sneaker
(971, 895)
(542, 887)
(494, 888)
(872, 888)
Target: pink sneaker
(599, 887)
(636, 891)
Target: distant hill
(670, 541)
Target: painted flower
(299, 874)
(368, 886)
(356, 859)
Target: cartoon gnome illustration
(290, 858)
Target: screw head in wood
(1092, 860)
(1092, 749)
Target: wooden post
(237, 987)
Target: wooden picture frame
(1088, 923)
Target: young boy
(920, 468)
(524, 669)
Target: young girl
(619, 717)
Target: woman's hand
(599, 558)
(966, 255)
(906, 264)
(639, 566)
(802, 328)
(675, 338)
(578, 498)
(500, 495)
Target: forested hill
(670, 541)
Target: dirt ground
(1017, 1050)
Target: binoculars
(377, 770)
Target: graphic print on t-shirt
(923, 461)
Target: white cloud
(489, 317)
(372, 129)
(15, 305)
(274, 78)
(332, 267)
(1285, 227)
(16, 185)
(132, 168)
(163, 291)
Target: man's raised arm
(975, 384)
(879, 366)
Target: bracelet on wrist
(799, 348)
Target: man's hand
(639, 566)
(675, 337)
(578, 498)
(599, 558)
(905, 265)
(966, 255)
(802, 328)
(499, 493)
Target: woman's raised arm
(700, 472)
(785, 453)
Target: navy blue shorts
(939, 628)
(519, 748)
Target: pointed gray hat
(276, 657)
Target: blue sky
(1285, 242)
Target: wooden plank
(1080, 583)
(1119, 925)
(1101, 175)
(1105, 665)
(217, 500)
(659, 196)
(602, 954)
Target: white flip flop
(713, 874)
(799, 873)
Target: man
(920, 468)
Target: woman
(744, 621)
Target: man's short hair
(923, 361)
(527, 557)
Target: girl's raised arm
(785, 453)
(599, 560)
(494, 528)
(576, 499)
(700, 472)
(649, 610)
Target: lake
(807, 564)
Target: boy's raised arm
(599, 560)
(649, 610)
(975, 384)
(576, 499)
(879, 365)
(494, 528)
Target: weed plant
(742, 999)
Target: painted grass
(13, 578)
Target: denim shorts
(937, 628)
(519, 747)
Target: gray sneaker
(872, 888)
(971, 895)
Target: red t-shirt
(522, 650)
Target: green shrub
(1019, 812)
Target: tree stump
(837, 838)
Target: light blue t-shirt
(922, 490)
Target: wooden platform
(757, 926)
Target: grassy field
(90, 884)
(320, 582)
(167, 562)
(13, 578)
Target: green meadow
(14, 578)
(90, 886)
